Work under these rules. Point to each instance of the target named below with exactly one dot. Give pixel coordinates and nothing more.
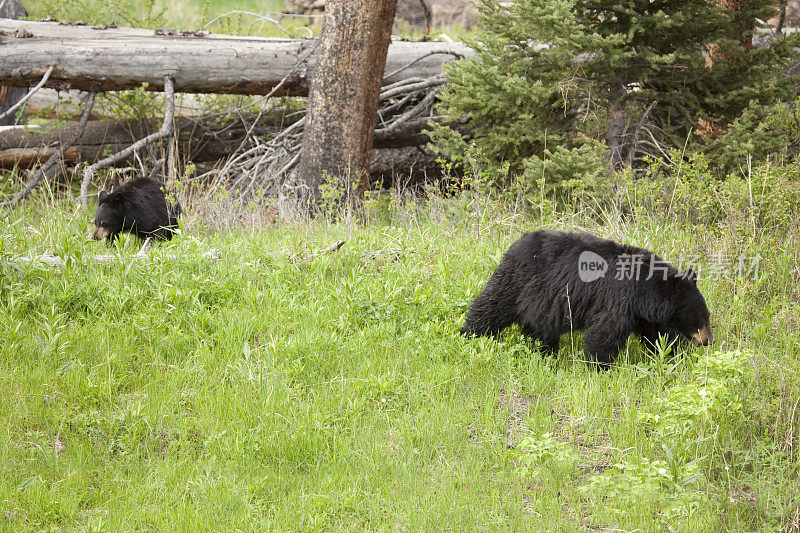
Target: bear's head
(685, 309)
(109, 217)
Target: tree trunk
(11, 9)
(343, 99)
(781, 17)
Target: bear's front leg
(550, 343)
(649, 334)
(605, 337)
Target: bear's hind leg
(491, 312)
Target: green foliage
(553, 80)
(761, 133)
(134, 13)
(684, 427)
(740, 77)
(183, 15)
(136, 103)
(520, 96)
(545, 451)
(764, 198)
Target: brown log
(27, 157)
(200, 141)
(111, 58)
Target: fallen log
(30, 145)
(107, 58)
(199, 140)
(400, 154)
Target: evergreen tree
(554, 83)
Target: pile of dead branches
(261, 169)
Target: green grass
(196, 14)
(281, 388)
(178, 14)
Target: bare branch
(30, 93)
(259, 18)
(148, 242)
(164, 131)
(657, 145)
(415, 111)
(637, 134)
(435, 81)
(39, 175)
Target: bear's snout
(99, 233)
(703, 336)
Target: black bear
(138, 206)
(551, 282)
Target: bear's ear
(103, 195)
(676, 282)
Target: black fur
(538, 286)
(138, 206)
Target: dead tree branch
(39, 175)
(260, 18)
(25, 98)
(638, 133)
(262, 169)
(165, 131)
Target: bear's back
(147, 209)
(555, 245)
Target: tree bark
(781, 17)
(111, 59)
(343, 100)
(11, 9)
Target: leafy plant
(536, 452)
(684, 426)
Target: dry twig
(164, 131)
(30, 93)
(638, 133)
(39, 175)
(261, 170)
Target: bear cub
(552, 282)
(138, 206)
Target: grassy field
(179, 14)
(214, 15)
(271, 385)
